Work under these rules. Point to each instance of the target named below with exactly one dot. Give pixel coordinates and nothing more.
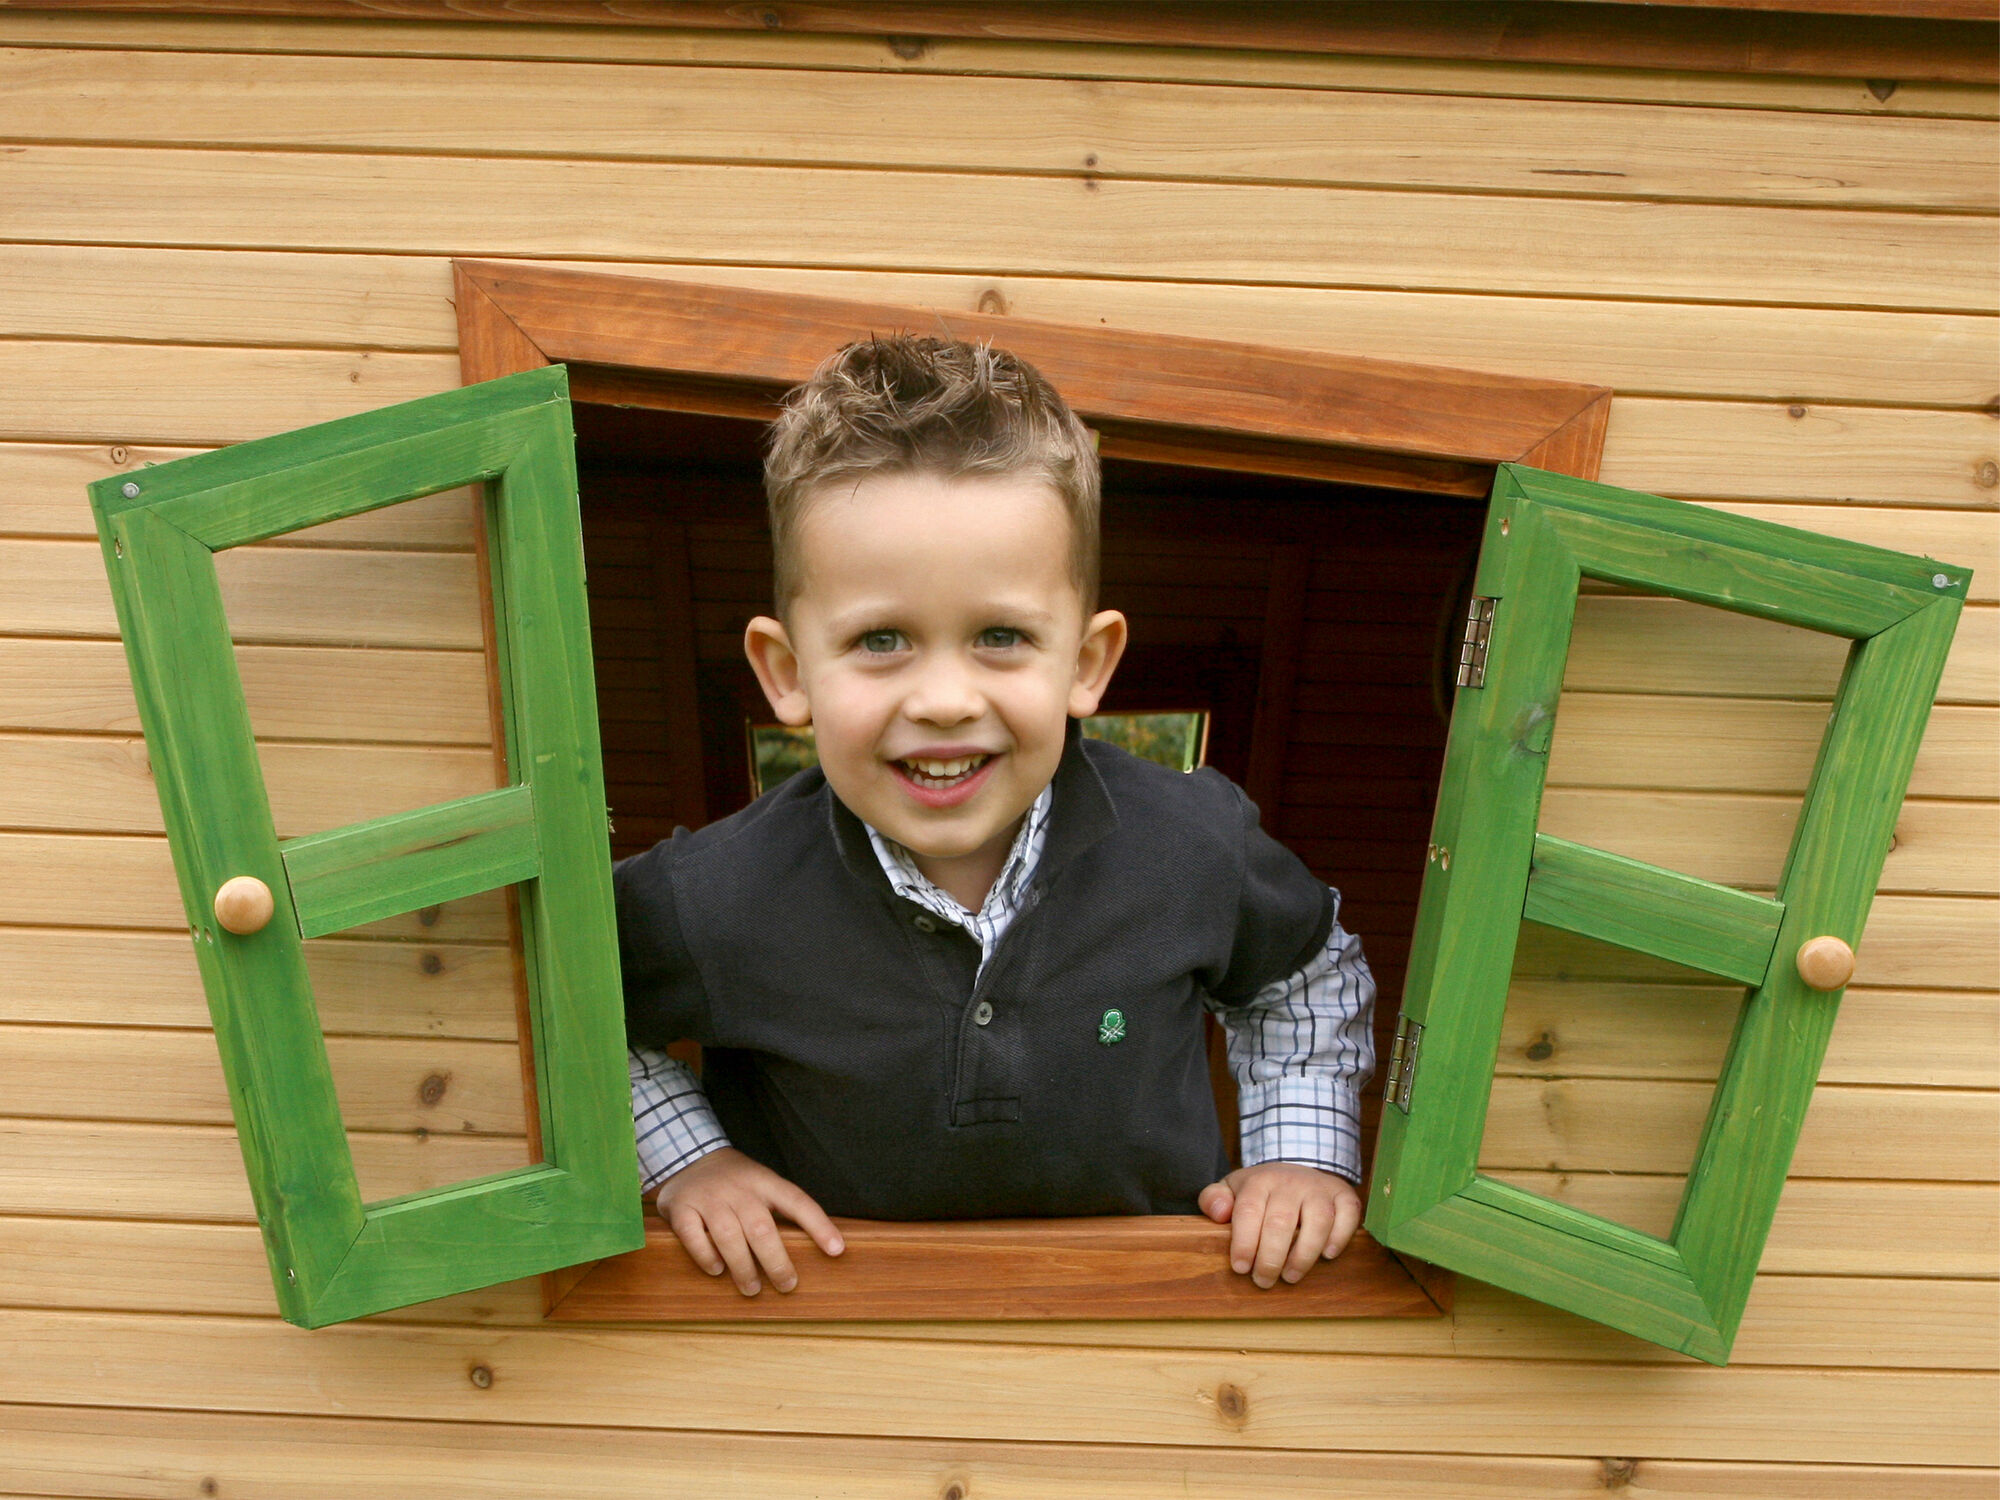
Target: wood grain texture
(1001, 125)
(1146, 1267)
(1496, 77)
(1521, 30)
(161, 1455)
(1319, 236)
(254, 297)
(765, 1382)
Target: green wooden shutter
(334, 1257)
(1490, 870)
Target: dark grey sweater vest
(839, 1020)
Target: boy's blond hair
(910, 404)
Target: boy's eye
(999, 638)
(882, 641)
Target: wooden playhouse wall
(214, 229)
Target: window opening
(361, 645)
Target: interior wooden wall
(219, 229)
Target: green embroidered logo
(1112, 1027)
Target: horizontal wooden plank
(274, 595)
(1341, 236)
(1581, 1029)
(1747, 745)
(391, 302)
(1668, 646)
(1966, 537)
(294, 692)
(100, 783)
(1922, 942)
(368, 871)
(138, 1455)
(109, 1169)
(83, 978)
(384, 1083)
(1674, 916)
(1639, 1125)
(1867, 455)
(1505, 77)
(1819, 1229)
(42, 492)
(1940, 848)
(112, 880)
(747, 1382)
(1110, 1267)
(1110, 129)
(1935, 1323)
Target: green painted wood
(218, 822)
(1426, 1198)
(1662, 912)
(333, 1257)
(250, 510)
(391, 865)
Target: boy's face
(938, 645)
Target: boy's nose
(944, 693)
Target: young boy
(958, 970)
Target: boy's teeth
(945, 770)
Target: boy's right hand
(721, 1208)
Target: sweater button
(924, 922)
(982, 1013)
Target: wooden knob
(1825, 963)
(244, 905)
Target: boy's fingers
(1346, 1219)
(1246, 1218)
(762, 1233)
(1274, 1242)
(799, 1207)
(728, 1236)
(1315, 1224)
(1216, 1200)
(693, 1235)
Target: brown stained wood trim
(1941, 41)
(1098, 1269)
(680, 692)
(1186, 392)
(1277, 675)
(731, 352)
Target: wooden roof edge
(1931, 41)
(707, 332)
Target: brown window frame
(1203, 403)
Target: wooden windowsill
(989, 1270)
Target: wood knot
(1542, 1048)
(431, 963)
(1231, 1404)
(481, 1376)
(121, 456)
(431, 1090)
(1882, 88)
(428, 917)
(991, 301)
(1988, 475)
(1618, 1473)
(909, 48)
(210, 1487)
(1795, 412)
(953, 1491)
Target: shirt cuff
(1313, 1120)
(672, 1119)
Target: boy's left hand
(1286, 1216)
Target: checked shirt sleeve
(676, 1125)
(1300, 1050)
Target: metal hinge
(1402, 1074)
(1472, 652)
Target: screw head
(1940, 580)
(129, 490)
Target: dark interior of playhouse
(1314, 624)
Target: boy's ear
(1096, 660)
(769, 648)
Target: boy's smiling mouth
(943, 781)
